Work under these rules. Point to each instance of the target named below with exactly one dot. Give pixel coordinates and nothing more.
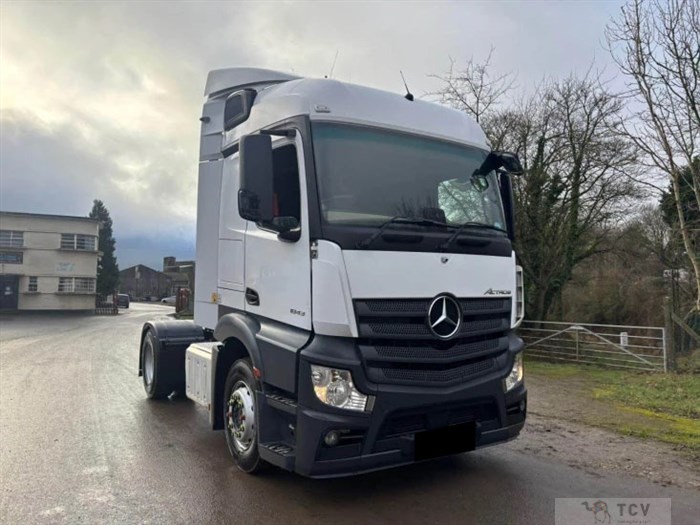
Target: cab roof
(282, 96)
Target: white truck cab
(356, 288)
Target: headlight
(334, 387)
(516, 374)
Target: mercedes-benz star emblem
(444, 316)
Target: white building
(47, 262)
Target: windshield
(367, 176)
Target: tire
(239, 399)
(155, 380)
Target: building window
(77, 241)
(11, 258)
(10, 239)
(65, 284)
(84, 285)
(76, 284)
(33, 285)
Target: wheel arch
(170, 332)
(237, 332)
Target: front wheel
(241, 416)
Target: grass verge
(657, 406)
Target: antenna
(330, 74)
(408, 95)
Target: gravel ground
(554, 429)
(80, 443)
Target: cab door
(278, 272)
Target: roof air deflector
(221, 81)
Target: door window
(287, 198)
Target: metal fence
(619, 346)
(683, 336)
(106, 304)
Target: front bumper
(386, 436)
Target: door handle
(252, 297)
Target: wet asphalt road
(80, 443)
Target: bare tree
(578, 166)
(624, 285)
(576, 188)
(473, 89)
(656, 236)
(657, 46)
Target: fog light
(335, 388)
(332, 438)
(516, 374)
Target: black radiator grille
(421, 306)
(439, 376)
(398, 305)
(427, 352)
(402, 328)
(398, 346)
(407, 318)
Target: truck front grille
(398, 346)
(429, 353)
(439, 376)
(407, 318)
(400, 328)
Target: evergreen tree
(688, 183)
(677, 254)
(107, 268)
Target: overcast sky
(102, 100)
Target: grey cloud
(101, 99)
(42, 172)
(39, 172)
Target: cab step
(281, 402)
(279, 454)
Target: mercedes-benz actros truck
(356, 292)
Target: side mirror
(510, 162)
(237, 107)
(500, 160)
(255, 198)
(287, 228)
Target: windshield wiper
(366, 243)
(446, 245)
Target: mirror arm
(510, 173)
(289, 235)
(292, 235)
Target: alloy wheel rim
(240, 416)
